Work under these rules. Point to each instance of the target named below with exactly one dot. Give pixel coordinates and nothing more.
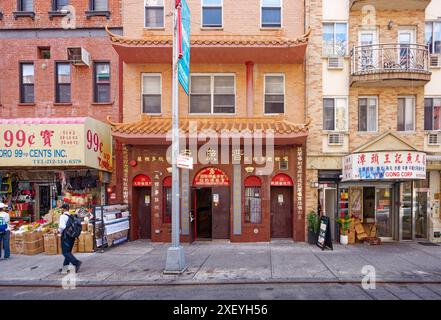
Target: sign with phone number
(86, 144)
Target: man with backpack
(4, 230)
(70, 229)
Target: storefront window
(406, 211)
(167, 194)
(421, 193)
(253, 200)
(383, 217)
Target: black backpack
(73, 227)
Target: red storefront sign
(282, 180)
(211, 177)
(141, 180)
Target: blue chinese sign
(184, 62)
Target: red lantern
(133, 163)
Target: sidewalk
(142, 263)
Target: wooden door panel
(221, 213)
(144, 214)
(281, 212)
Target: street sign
(184, 38)
(185, 162)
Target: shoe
(77, 267)
(64, 270)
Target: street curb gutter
(85, 284)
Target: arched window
(167, 200)
(253, 200)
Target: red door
(144, 215)
(281, 212)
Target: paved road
(232, 292)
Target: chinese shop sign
(281, 180)
(211, 177)
(142, 180)
(84, 142)
(394, 165)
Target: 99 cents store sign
(80, 142)
(394, 165)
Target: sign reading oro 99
(86, 144)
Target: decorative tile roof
(154, 125)
(213, 40)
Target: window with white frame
(212, 13)
(406, 114)
(271, 13)
(335, 38)
(212, 93)
(154, 13)
(433, 36)
(151, 93)
(335, 114)
(274, 93)
(367, 113)
(432, 114)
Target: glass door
(406, 211)
(406, 38)
(368, 54)
(420, 201)
(383, 212)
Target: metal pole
(175, 262)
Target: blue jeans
(4, 242)
(66, 249)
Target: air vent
(335, 139)
(283, 165)
(435, 61)
(335, 63)
(433, 139)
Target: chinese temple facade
(243, 120)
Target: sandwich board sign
(324, 239)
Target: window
(62, 90)
(433, 36)
(212, 94)
(59, 4)
(253, 200)
(44, 52)
(212, 13)
(432, 114)
(154, 13)
(335, 114)
(26, 83)
(274, 94)
(99, 5)
(271, 13)
(151, 93)
(406, 114)
(25, 5)
(335, 39)
(102, 82)
(167, 203)
(367, 114)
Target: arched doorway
(281, 206)
(211, 204)
(142, 205)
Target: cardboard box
(33, 243)
(83, 226)
(88, 242)
(90, 228)
(58, 243)
(50, 244)
(81, 242)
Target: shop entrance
(44, 200)
(142, 200)
(203, 212)
(281, 212)
(377, 209)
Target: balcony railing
(388, 58)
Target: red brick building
(57, 62)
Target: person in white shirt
(67, 242)
(4, 230)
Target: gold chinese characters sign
(85, 142)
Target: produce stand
(111, 225)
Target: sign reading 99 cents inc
(63, 142)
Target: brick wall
(42, 20)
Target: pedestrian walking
(68, 228)
(4, 231)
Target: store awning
(154, 130)
(79, 142)
(387, 158)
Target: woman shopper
(4, 230)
